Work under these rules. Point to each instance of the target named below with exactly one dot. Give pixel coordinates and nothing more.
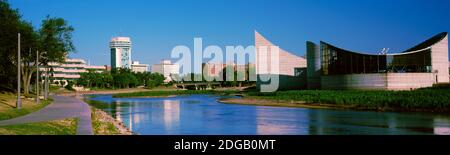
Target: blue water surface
(203, 115)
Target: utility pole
(46, 84)
(19, 102)
(37, 76)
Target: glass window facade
(416, 62)
(300, 72)
(336, 61)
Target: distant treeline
(119, 78)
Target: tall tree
(9, 27)
(55, 37)
(29, 45)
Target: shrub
(69, 86)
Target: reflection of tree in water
(441, 126)
(325, 122)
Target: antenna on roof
(384, 51)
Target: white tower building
(120, 52)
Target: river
(203, 115)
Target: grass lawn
(8, 104)
(59, 127)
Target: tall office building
(120, 52)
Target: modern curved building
(330, 67)
(291, 69)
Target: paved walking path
(62, 107)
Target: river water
(203, 115)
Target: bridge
(198, 86)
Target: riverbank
(104, 124)
(421, 100)
(274, 103)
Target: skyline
(156, 27)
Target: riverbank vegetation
(58, 127)
(428, 99)
(102, 122)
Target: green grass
(177, 92)
(59, 127)
(8, 111)
(101, 126)
(435, 99)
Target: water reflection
(171, 114)
(203, 115)
(441, 126)
(276, 122)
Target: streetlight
(37, 76)
(19, 102)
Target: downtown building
(120, 52)
(168, 69)
(70, 70)
(121, 55)
(291, 71)
(218, 70)
(329, 67)
(138, 67)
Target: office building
(120, 52)
(166, 68)
(138, 67)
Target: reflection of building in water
(268, 122)
(118, 110)
(441, 126)
(121, 111)
(171, 114)
(135, 118)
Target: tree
(29, 42)
(229, 80)
(55, 38)
(10, 25)
(154, 80)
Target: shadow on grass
(3, 102)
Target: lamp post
(19, 102)
(37, 76)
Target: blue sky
(156, 26)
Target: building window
(337, 61)
(299, 72)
